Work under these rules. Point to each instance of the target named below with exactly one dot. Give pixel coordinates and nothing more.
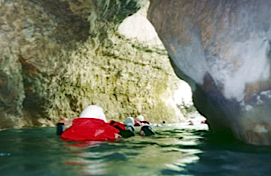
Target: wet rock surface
(222, 49)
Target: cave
(57, 57)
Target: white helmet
(140, 118)
(93, 111)
(129, 123)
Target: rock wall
(125, 79)
(58, 56)
(31, 32)
(222, 49)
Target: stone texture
(31, 32)
(58, 56)
(126, 80)
(222, 49)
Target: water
(175, 150)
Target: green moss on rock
(121, 78)
(57, 57)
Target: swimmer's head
(140, 118)
(129, 123)
(93, 111)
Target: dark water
(175, 150)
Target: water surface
(175, 150)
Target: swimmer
(90, 126)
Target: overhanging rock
(222, 49)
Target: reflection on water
(175, 150)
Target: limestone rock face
(59, 56)
(222, 49)
(32, 32)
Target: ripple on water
(175, 150)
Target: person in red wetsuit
(91, 126)
(126, 128)
(140, 120)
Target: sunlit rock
(138, 27)
(222, 49)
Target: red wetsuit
(141, 123)
(90, 129)
(121, 127)
(145, 122)
(118, 125)
(137, 123)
